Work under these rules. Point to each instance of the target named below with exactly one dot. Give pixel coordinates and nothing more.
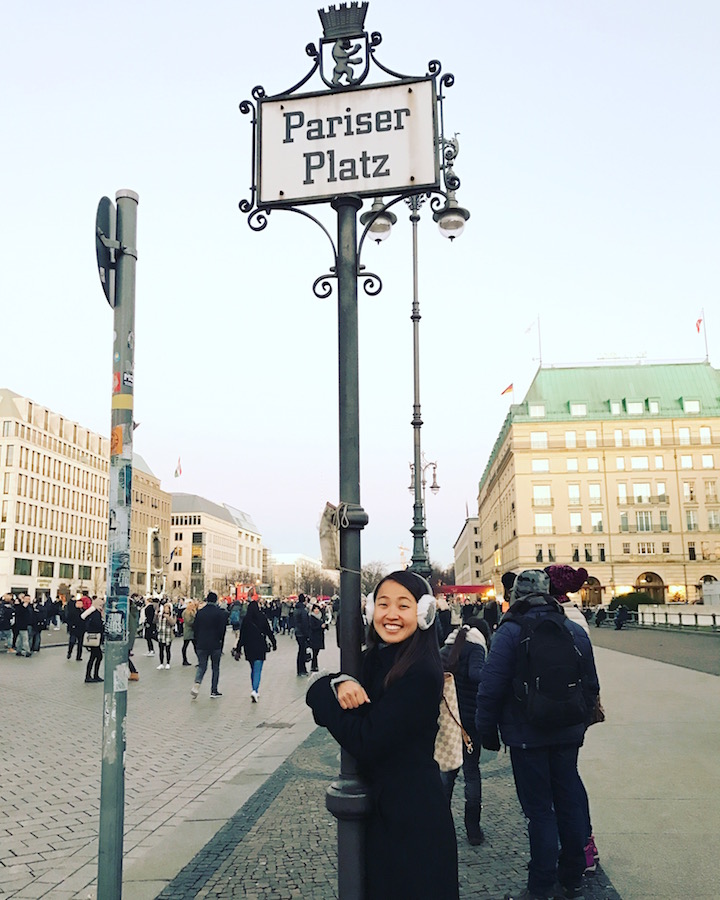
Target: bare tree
(370, 575)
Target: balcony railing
(644, 500)
(653, 529)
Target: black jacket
(317, 633)
(254, 630)
(410, 839)
(301, 622)
(210, 624)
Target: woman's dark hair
(421, 645)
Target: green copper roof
(607, 392)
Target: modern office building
(150, 516)
(54, 504)
(467, 552)
(615, 468)
(213, 547)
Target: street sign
(368, 141)
(105, 228)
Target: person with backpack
(539, 684)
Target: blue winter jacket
(495, 701)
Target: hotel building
(614, 468)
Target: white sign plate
(368, 141)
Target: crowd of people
(522, 673)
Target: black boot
(475, 834)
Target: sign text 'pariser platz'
(367, 141)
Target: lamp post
(294, 165)
(421, 555)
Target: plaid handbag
(451, 735)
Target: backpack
(548, 675)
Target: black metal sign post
(338, 146)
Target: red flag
(698, 324)
(178, 470)
(507, 390)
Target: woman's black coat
(317, 633)
(411, 851)
(253, 631)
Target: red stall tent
(462, 590)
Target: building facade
(615, 468)
(467, 552)
(150, 516)
(213, 547)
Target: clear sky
(590, 147)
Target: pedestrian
(301, 625)
(134, 608)
(254, 637)
(189, 613)
(284, 617)
(210, 624)
(443, 623)
(23, 620)
(621, 616)
(6, 620)
(491, 613)
(38, 624)
(165, 633)
(463, 654)
(75, 627)
(150, 626)
(600, 616)
(235, 615)
(535, 649)
(93, 638)
(388, 721)
(316, 640)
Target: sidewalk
(226, 798)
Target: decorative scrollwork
(311, 51)
(448, 80)
(258, 219)
(372, 284)
(322, 286)
(247, 205)
(452, 182)
(247, 107)
(375, 40)
(434, 67)
(437, 201)
(258, 92)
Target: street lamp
(417, 487)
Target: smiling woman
(388, 722)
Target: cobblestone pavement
(282, 843)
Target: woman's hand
(351, 695)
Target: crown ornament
(345, 20)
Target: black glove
(491, 741)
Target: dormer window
(690, 406)
(653, 406)
(537, 410)
(634, 407)
(578, 409)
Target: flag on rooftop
(507, 390)
(698, 324)
(178, 469)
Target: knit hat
(531, 581)
(508, 580)
(565, 579)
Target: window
(659, 462)
(641, 492)
(46, 569)
(197, 537)
(661, 492)
(654, 407)
(620, 463)
(634, 407)
(538, 553)
(691, 406)
(601, 552)
(626, 548)
(23, 566)
(2, 538)
(691, 515)
(67, 570)
(551, 553)
(588, 553)
(624, 524)
(594, 490)
(84, 573)
(644, 520)
(666, 547)
(657, 437)
(178, 535)
(639, 462)
(196, 567)
(637, 437)
(537, 410)
(575, 553)
(10, 454)
(686, 462)
(6, 483)
(6, 429)
(689, 490)
(596, 520)
(713, 520)
(177, 567)
(705, 436)
(622, 492)
(570, 440)
(541, 495)
(646, 548)
(572, 464)
(711, 491)
(541, 465)
(591, 438)
(684, 436)
(618, 437)
(538, 440)
(578, 409)
(575, 522)
(574, 494)
(543, 523)
(708, 461)
(593, 464)
(691, 550)
(615, 407)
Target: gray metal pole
(112, 786)
(346, 797)
(419, 560)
